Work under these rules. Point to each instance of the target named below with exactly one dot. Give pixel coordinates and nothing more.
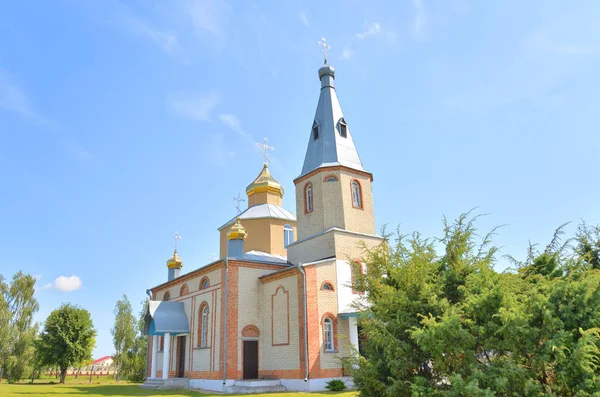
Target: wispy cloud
(303, 18)
(65, 284)
(166, 41)
(347, 53)
(209, 16)
(192, 106)
(12, 97)
(232, 122)
(419, 23)
(372, 29)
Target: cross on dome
(176, 237)
(324, 47)
(238, 200)
(264, 147)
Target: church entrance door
(250, 359)
(180, 357)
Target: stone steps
(162, 384)
(255, 386)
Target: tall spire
(330, 140)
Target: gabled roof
(330, 147)
(101, 359)
(263, 257)
(263, 211)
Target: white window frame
(309, 198)
(328, 335)
(204, 327)
(288, 235)
(356, 201)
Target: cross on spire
(176, 237)
(264, 147)
(324, 47)
(238, 200)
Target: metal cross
(176, 237)
(324, 47)
(239, 200)
(264, 148)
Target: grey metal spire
(330, 140)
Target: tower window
(330, 178)
(167, 296)
(308, 198)
(328, 334)
(315, 131)
(288, 235)
(343, 128)
(327, 286)
(356, 194)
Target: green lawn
(122, 390)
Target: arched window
(356, 195)
(167, 296)
(184, 290)
(288, 235)
(327, 286)
(343, 128)
(328, 334)
(330, 178)
(204, 283)
(315, 131)
(203, 337)
(308, 198)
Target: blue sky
(123, 122)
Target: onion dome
(264, 183)
(237, 231)
(175, 261)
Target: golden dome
(264, 183)
(237, 231)
(175, 261)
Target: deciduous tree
(123, 332)
(68, 338)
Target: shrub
(335, 385)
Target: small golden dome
(237, 231)
(264, 183)
(175, 261)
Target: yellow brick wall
(328, 303)
(316, 248)
(264, 235)
(250, 305)
(358, 220)
(286, 357)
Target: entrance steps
(255, 386)
(162, 384)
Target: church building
(276, 309)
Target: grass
(72, 389)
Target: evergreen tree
(449, 325)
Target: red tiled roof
(101, 359)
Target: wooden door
(180, 357)
(250, 359)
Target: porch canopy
(166, 317)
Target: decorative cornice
(330, 168)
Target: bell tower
(334, 201)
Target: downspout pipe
(225, 322)
(149, 293)
(305, 322)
